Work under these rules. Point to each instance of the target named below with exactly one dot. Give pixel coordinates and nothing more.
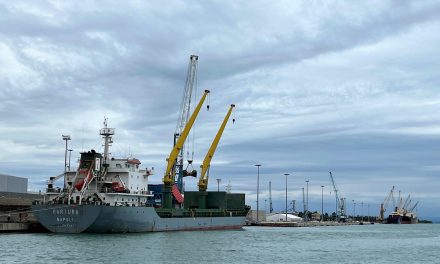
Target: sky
(350, 87)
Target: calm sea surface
(344, 244)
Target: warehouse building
(14, 184)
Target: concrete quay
(307, 224)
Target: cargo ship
(397, 217)
(111, 195)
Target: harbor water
(338, 244)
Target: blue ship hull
(64, 218)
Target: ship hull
(123, 219)
(401, 219)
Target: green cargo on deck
(216, 200)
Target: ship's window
(118, 165)
(122, 199)
(137, 166)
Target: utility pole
(368, 212)
(322, 203)
(258, 187)
(362, 211)
(286, 174)
(270, 197)
(307, 201)
(354, 210)
(304, 204)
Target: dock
(16, 214)
(306, 224)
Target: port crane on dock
(340, 203)
(204, 175)
(384, 204)
(169, 176)
(185, 109)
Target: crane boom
(413, 207)
(384, 205)
(335, 189)
(185, 108)
(204, 175)
(168, 178)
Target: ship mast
(107, 134)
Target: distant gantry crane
(340, 203)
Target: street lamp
(70, 154)
(354, 210)
(258, 186)
(322, 202)
(307, 200)
(286, 174)
(218, 184)
(368, 212)
(66, 138)
(362, 211)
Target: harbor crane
(340, 203)
(185, 108)
(168, 178)
(384, 205)
(204, 175)
(413, 207)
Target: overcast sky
(346, 86)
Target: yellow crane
(168, 178)
(204, 175)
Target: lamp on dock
(307, 201)
(322, 202)
(258, 186)
(286, 174)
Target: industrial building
(14, 184)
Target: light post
(70, 154)
(265, 208)
(218, 184)
(322, 202)
(362, 211)
(307, 201)
(286, 174)
(258, 187)
(354, 211)
(66, 138)
(368, 212)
